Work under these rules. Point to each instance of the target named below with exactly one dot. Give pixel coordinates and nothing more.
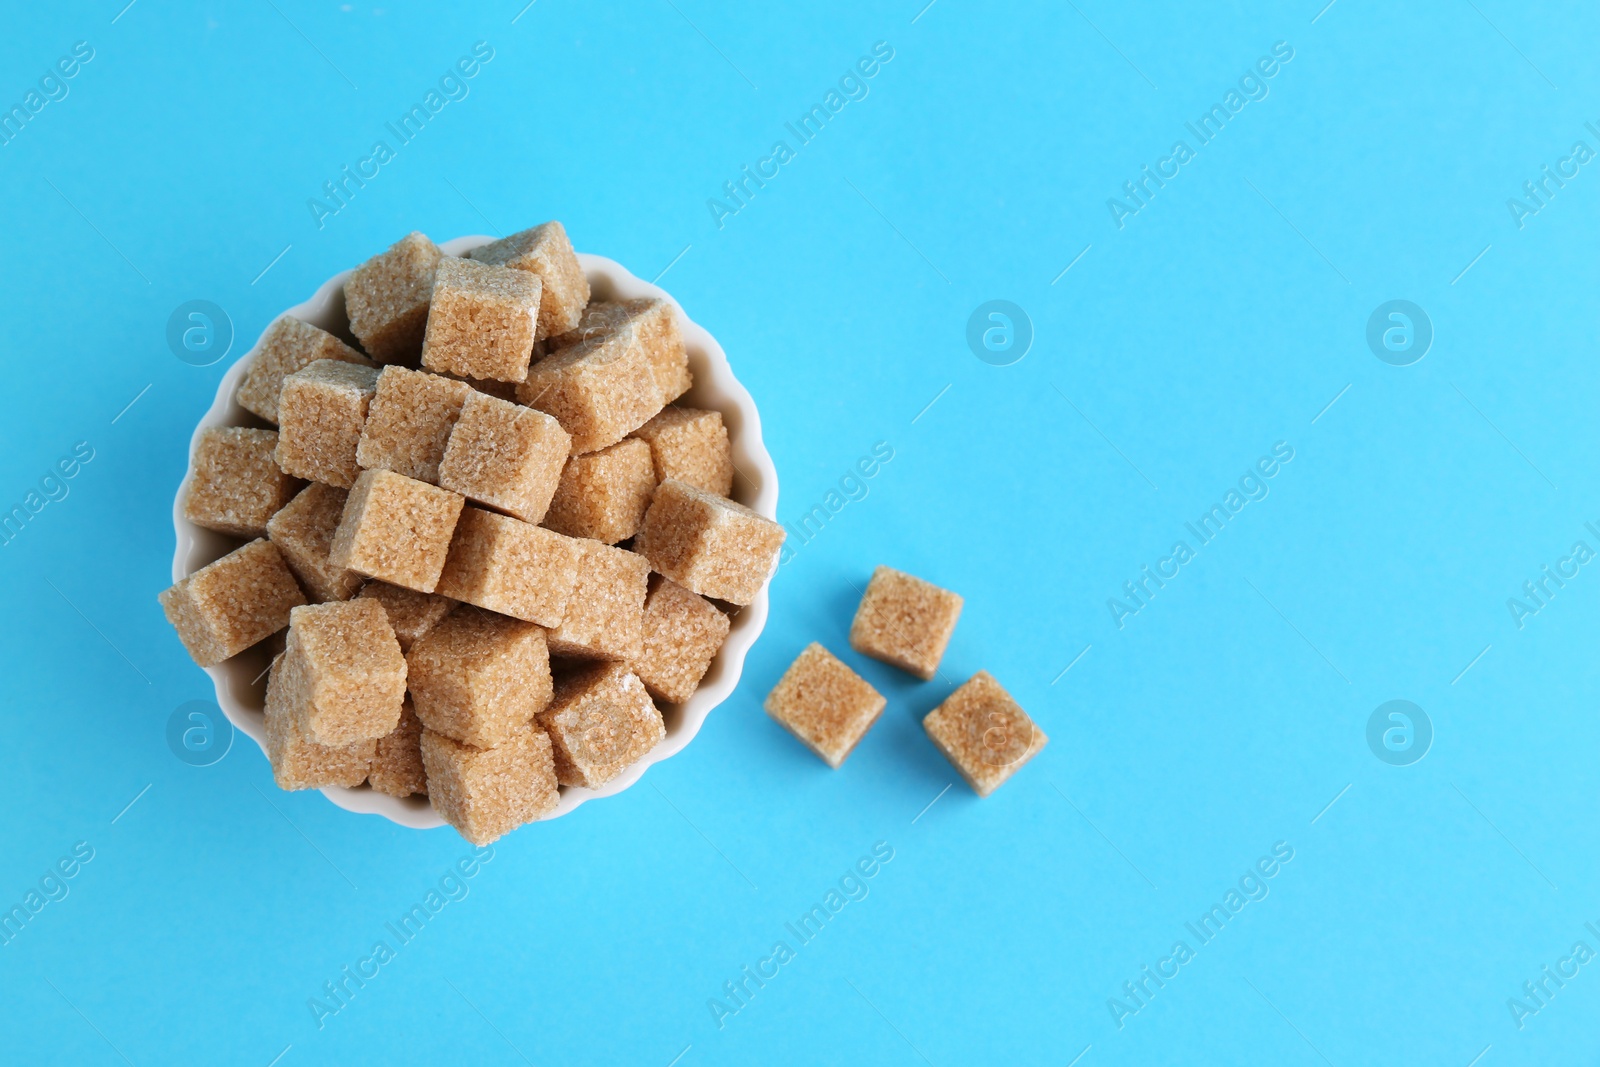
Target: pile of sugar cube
(907, 622)
(488, 541)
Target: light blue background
(1221, 719)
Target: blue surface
(1225, 718)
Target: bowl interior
(241, 681)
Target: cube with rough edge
(545, 251)
(905, 621)
(287, 346)
(387, 299)
(409, 422)
(396, 529)
(984, 733)
(825, 704)
(486, 793)
(709, 544)
(510, 566)
(605, 613)
(321, 412)
(303, 530)
(482, 321)
(411, 613)
(396, 767)
(298, 762)
(604, 494)
(237, 484)
(505, 455)
(601, 390)
(600, 721)
(477, 676)
(691, 446)
(349, 672)
(682, 635)
(655, 322)
(228, 605)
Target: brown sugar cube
(228, 605)
(387, 299)
(604, 494)
(601, 389)
(708, 544)
(510, 566)
(691, 446)
(983, 733)
(350, 674)
(477, 676)
(397, 529)
(321, 412)
(828, 706)
(396, 767)
(905, 621)
(237, 485)
(411, 614)
(605, 613)
(287, 346)
(656, 323)
(409, 422)
(487, 793)
(505, 455)
(600, 721)
(682, 634)
(546, 252)
(298, 763)
(482, 320)
(303, 530)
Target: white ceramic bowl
(241, 681)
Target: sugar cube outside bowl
(241, 681)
